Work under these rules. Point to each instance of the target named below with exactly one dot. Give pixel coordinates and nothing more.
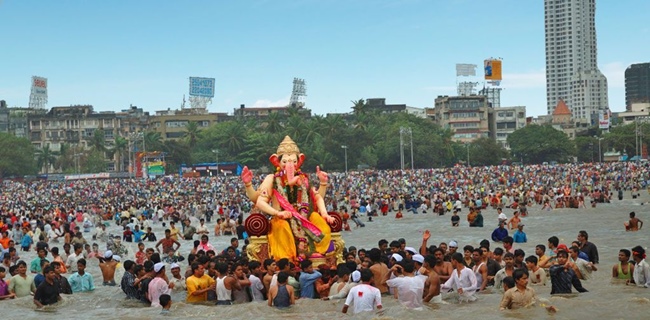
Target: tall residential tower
(571, 59)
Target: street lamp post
(467, 144)
(591, 148)
(600, 153)
(345, 149)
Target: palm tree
(359, 107)
(153, 140)
(192, 133)
(332, 125)
(98, 142)
(233, 136)
(65, 161)
(274, 122)
(120, 148)
(46, 157)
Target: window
(176, 124)
(108, 134)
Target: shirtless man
(634, 224)
(107, 265)
(514, 222)
(269, 266)
(442, 268)
(168, 243)
(432, 284)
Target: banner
(39, 87)
(603, 119)
(156, 168)
(465, 69)
(202, 87)
(492, 69)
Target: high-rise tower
(572, 72)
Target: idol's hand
(246, 176)
(322, 175)
(284, 214)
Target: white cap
(158, 266)
(419, 258)
(174, 265)
(117, 258)
(397, 257)
(453, 243)
(356, 276)
(108, 254)
(411, 250)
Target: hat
(453, 244)
(419, 258)
(521, 225)
(356, 276)
(158, 266)
(174, 266)
(397, 257)
(108, 254)
(411, 250)
(562, 246)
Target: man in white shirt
(202, 229)
(364, 296)
(71, 261)
(641, 273)
(410, 288)
(257, 287)
(462, 280)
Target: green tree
(17, 156)
(65, 161)
(98, 141)
(537, 144)
(120, 149)
(192, 133)
(92, 161)
(486, 152)
(359, 107)
(153, 141)
(45, 158)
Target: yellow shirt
(194, 283)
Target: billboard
(465, 70)
(603, 119)
(202, 87)
(492, 69)
(39, 87)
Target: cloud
(532, 79)
(615, 73)
(265, 103)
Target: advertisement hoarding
(39, 87)
(603, 119)
(492, 69)
(202, 87)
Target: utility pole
(402, 131)
(216, 152)
(345, 149)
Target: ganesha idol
(299, 222)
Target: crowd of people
(58, 219)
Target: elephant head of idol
(287, 160)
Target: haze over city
(113, 54)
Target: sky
(113, 54)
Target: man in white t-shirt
(364, 296)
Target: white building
(572, 72)
(508, 119)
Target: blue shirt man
(499, 233)
(520, 236)
(81, 281)
(307, 279)
(137, 234)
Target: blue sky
(114, 53)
